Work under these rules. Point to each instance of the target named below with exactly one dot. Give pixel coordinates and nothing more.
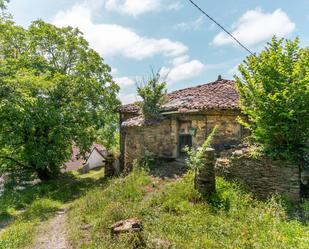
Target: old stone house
(188, 117)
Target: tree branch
(15, 161)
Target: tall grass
(27, 209)
(20, 233)
(177, 217)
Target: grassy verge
(25, 209)
(176, 217)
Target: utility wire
(225, 30)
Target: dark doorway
(184, 140)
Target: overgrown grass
(174, 215)
(177, 217)
(20, 233)
(102, 207)
(25, 209)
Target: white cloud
(175, 6)
(132, 7)
(183, 71)
(114, 71)
(138, 7)
(234, 70)
(180, 60)
(112, 39)
(195, 24)
(124, 81)
(255, 27)
(128, 98)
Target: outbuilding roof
(217, 95)
(78, 160)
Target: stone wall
(162, 139)
(229, 130)
(158, 139)
(262, 176)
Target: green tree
(3, 4)
(274, 93)
(153, 94)
(55, 91)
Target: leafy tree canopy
(153, 94)
(3, 4)
(274, 92)
(55, 91)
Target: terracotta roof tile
(220, 94)
(129, 108)
(140, 121)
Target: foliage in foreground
(176, 216)
(54, 91)
(274, 92)
(196, 157)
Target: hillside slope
(175, 216)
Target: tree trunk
(44, 174)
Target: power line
(225, 30)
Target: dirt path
(4, 224)
(53, 234)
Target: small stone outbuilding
(187, 118)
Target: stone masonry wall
(229, 130)
(159, 139)
(162, 139)
(262, 176)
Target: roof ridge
(217, 94)
(209, 83)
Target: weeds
(179, 217)
(27, 208)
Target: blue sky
(134, 36)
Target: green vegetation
(153, 94)
(3, 4)
(196, 157)
(54, 91)
(175, 215)
(274, 91)
(172, 212)
(26, 209)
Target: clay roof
(140, 121)
(220, 95)
(100, 149)
(129, 108)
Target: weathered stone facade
(189, 115)
(157, 139)
(162, 138)
(262, 176)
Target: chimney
(219, 78)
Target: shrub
(274, 94)
(146, 161)
(196, 157)
(153, 94)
